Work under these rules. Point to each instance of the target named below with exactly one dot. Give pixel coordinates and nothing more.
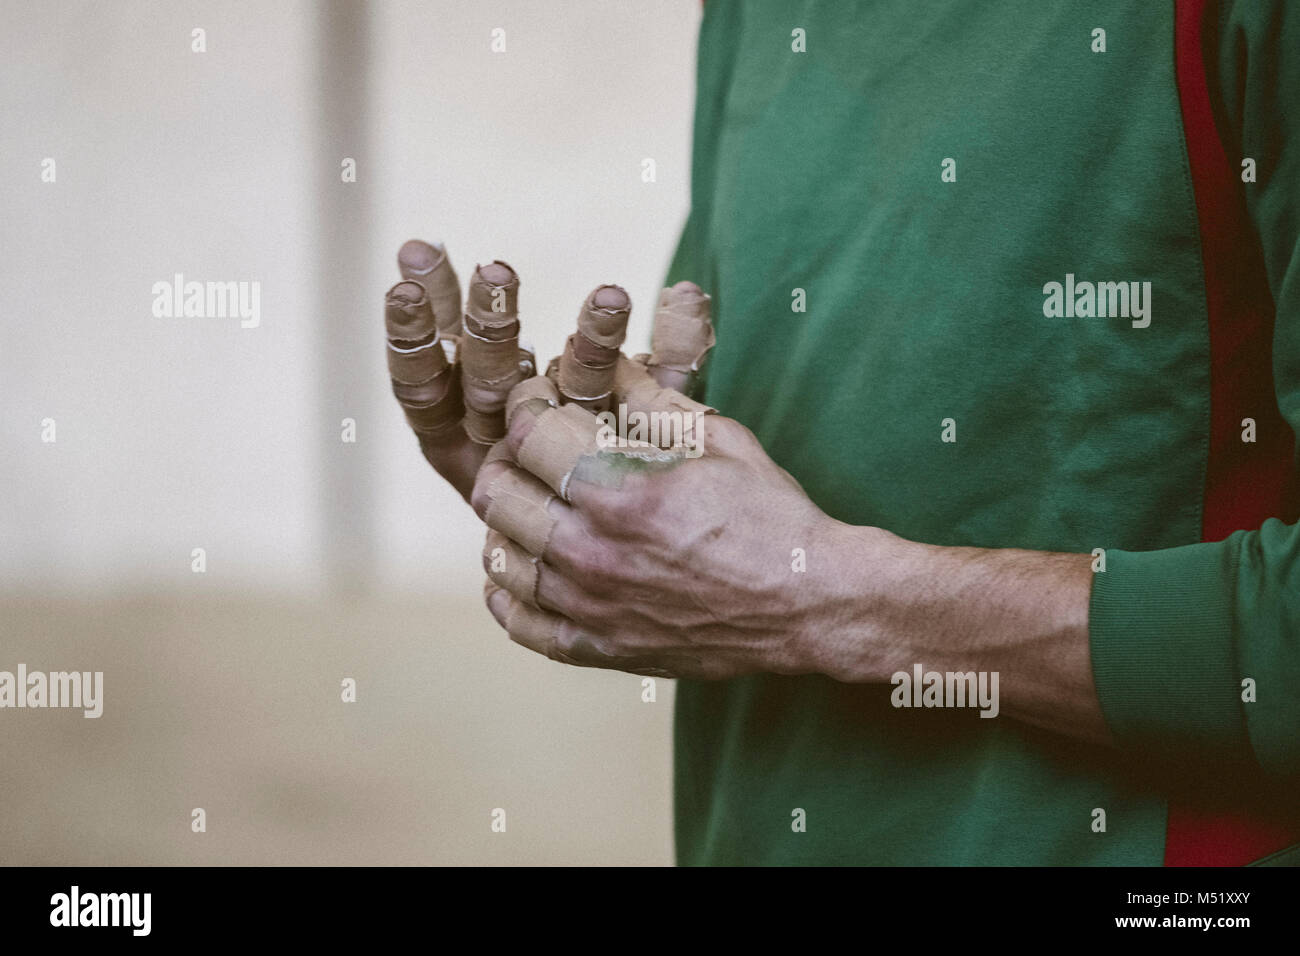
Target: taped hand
(656, 550)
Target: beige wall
(180, 433)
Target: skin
(457, 459)
(686, 572)
(685, 569)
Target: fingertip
(492, 306)
(408, 315)
(611, 297)
(497, 273)
(407, 291)
(602, 322)
(497, 600)
(420, 257)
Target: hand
(663, 564)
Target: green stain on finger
(609, 468)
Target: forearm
(1022, 614)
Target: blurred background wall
(325, 559)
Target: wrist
(857, 603)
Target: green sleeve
(1177, 635)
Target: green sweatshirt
(1031, 227)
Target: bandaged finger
(429, 265)
(585, 372)
(510, 566)
(638, 390)
(539, 631)
(682, 335)
(536, 394)
(559, 439)
(491, 359)
(423, 376)
(518, 508)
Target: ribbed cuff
(1161, 630)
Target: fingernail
(497, 273)
(611, 297)
(418, 257)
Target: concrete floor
(232, 703)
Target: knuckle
(521, 425)
(572, 645)
(593, 565)
(561, 648)
(652, 500)
(581, 559)
(638, 504)
(480, 498)
(622, 507)
(729, 435)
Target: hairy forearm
(1022, 614)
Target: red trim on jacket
(1244, 483)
